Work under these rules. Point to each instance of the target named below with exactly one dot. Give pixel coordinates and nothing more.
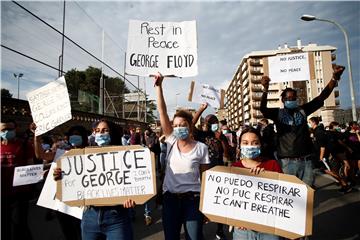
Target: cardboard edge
(191, 92)
(266, 66)
(311, 66)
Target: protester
(14, 200)
(268, 135)
(353, 141)
(250, 144)
(340, 151)
(294, 146)
(186, 160)
(125, 139)
(217, 144)
(323, 148)
(91, 137)
(107, 222)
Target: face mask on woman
(181, 132)
(225, 131)
(214, 127)
(250, 152)
(291, 104)
(8, 134)
(102, 139)
(75, 140)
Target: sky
(226, 32)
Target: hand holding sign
(158, 79)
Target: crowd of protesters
(285, 141)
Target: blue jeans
(252, 235)
(178, 210)
(110, 223)
(300, 167)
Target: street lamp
(18, 82)
(306, 17)
(176, 98)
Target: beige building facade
(245, 90)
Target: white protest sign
(47, 196)
(289, 67)
(166, 47)
(28, 174)
(107, 176)
(48, 199)
(205, 93)
(50, 105)
(267, 202)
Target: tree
(5, 93)
(84, 88)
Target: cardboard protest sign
(48, 199)
(107, 176)
(50, 105)
(28, 174)
(202, 93)
(270, 202)
(289, 67)
(166, 47)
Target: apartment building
(245, 90)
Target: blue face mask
(181, 132)
(214, 127)
(291, 104)
(250, 152)
(225, 131)
(75, 140)
(102, 139)
(8, 134)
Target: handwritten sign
(28, 174)
(166, 47)
(290, 67)
(270, 202)
(48, 198)
(107, 175)
(50, 105)
(204, 93)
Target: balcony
(256, 89)
(256, 79)
(245, 82)
(256, 71)
(256, 105)
(256, 62)
(336, 93)
(256, 97)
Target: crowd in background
(188, 146)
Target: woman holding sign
(107, 222)
(186, 160)
(250, 147)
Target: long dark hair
(114, 131)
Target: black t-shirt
(292, 130)
(320, 140)
(216, 151)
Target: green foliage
(5, 93)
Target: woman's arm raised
(161, 105)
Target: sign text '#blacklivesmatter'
(106, 174)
